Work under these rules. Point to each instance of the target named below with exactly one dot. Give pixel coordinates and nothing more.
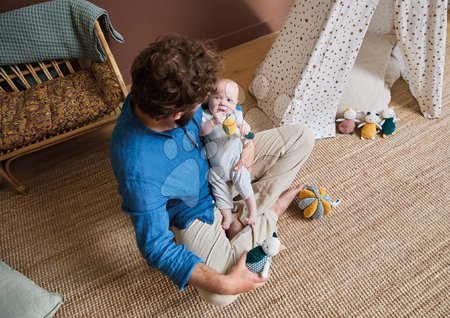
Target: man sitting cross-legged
(162, 173)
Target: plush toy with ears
(259, 258)
(388, 125)
(348, 123)
(315, 202)
(370, 126)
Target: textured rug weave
(384, 252)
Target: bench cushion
(56, 106)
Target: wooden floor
(240, 64)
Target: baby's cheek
(231, 106)
(212, 103)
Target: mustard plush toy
(370, 126)
(230, 128)
(315, 202)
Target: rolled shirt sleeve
(147, 209)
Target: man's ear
(177, 115)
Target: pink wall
(228, 22)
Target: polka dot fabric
(383, 19)
(304, 72)
(421, 29)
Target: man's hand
(241, 279)
(247, 157)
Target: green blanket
(58, 29)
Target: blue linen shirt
(163, 181)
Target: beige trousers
(279, 154)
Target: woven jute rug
(384, 252)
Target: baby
(224, 151)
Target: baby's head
(225, 99)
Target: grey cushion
(20, 297)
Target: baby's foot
(251, 218)
(226, 222)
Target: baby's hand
(245, 129)
(218, 118)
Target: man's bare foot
(235, 227)
(285, 199)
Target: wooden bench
(45, 103)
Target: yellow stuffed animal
(370, 126)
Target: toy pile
(371, 125)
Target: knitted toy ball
(315, 202)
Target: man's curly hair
(174, 74)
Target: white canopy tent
(305, 71)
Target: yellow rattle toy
(230, 128)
